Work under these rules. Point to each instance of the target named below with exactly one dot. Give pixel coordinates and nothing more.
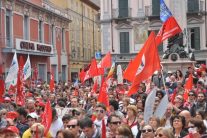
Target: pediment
(194, 20)
(155, 23)
(124, 26)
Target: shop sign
(32, 46)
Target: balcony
(122, 13)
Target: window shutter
(124, 42)
(193, 5)
(155, 7)
(197, 38)
(123, 8)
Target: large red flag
(106, 61)
(168, 29)
(128, 75)
(93, 70)
(47, 117)
(20, 96)
(2, 85)
(52, 83)
(82, 75)
(145, 63)
(188, 87)
(95, 86)
(103, 97)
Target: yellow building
(84, 33)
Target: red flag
(20, 96)
(103, 97)
(188, 87)
(47, 117)
(93, 70)
(127, 73)
(82, 75)
(35, 77)
(75, 92)
(168, 29)
(103, 128)
(52, 83)
(95, 86)
(145, 63)
(2, 85)
(173, 97)
(106, 61)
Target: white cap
(33, 115)
(132, 101)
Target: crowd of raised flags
(91, 110)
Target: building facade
(126, 24)
(38, 29)
(84, 34)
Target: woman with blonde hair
(37, 129)
(164, 133)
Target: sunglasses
(191, 127)
(33, 132)
(146, 130)
(77, 113)
(100, 111)
(116, 123)
(158, 135)
(190, 94)
(71, 126)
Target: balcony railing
(121, 13)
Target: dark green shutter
(124, 42)
(155, 7)
(123, 8)
(197, 38)
(193, 5)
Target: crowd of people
(76, 112)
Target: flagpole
(164, 82)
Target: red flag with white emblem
(145, 63)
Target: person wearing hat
(10, 132)
(7, 104)
(169, 73)
(131, 119)
(32, 120)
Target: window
(64, 73)
(54, 69)
(193, 5)
(195, 38)
(8, 28)
(26, 27)
(123, 8)
(40, 31)
(42, 72)
(53, 36)
(63, 39)
(124, 42)
(155, 7)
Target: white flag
(119, 75)
(149, 105)
(27, 69)
(13, 71)
(162, 107)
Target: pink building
(31, 27)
